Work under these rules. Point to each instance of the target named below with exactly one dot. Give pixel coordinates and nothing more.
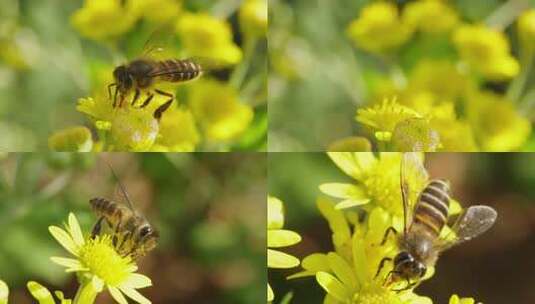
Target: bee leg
(159, 111)
(388, 230)
(381, 265)
(116, 232)
(115, 97)
(409, 285)
(127, 235)
(147, 101)
(97, 227)
(109, 89)
(136, 97)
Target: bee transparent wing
(472, 222)
(122, 188)
(160, 43)
(411, 167)
(204, 64)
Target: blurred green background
(209, 209)
(46, 65)
(318, 78)
(497, 267)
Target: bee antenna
(123, 189)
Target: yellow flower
(384, 117)
(219, 111)
(278, 237)
(206, 36)
(348, 273)
(486, 50)
(438, 77)
(156, 10)
(526, 29)
(133, 130)
(4, 292)
(456, 300)
(74, 139)
(98, 264)
(497, 124)
(377, 180)
(379, 28)
(254, 18)
(101, 20)
(454, 135)
(431, 16)
(351, 144)
(178, 131)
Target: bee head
(122, 78)
(148, 237)
(406, 266)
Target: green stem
(86, 293)
(238, 76)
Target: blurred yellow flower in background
(497, 124)
(156, 10)
(526, 29)
(430, 16)
(102, 20)
(206, 36)
(219, 110)
(178, 131)
(4, 292)
(278, 237)
(71, 139)
(254, 18)
(379, 28)
(456, 300)
(486, 50)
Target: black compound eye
(402, 257)
(145, 230)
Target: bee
(141, 75)
(132, 234)
(420, 243)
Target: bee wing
(411, 167)
(205, 64)
(472, 222)
(122, 188)
(158, 43)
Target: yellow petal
(74, 229)
(346, 162)
(277, 259)
(117, 295)
(4, 292)
(70, 263)
(64, 239)
(270, 294)
(455, 207)
(342, 190)
(342, 269)
(275, 213)
(136, 281)
(301, 274)
(333, 286)
(360, 260)
(40, 293)
(135, 295)
(337, 221)
(316, 262)
(348, 203)
(282, 238)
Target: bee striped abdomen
(106, 208)
(431, 211)
(176, 70)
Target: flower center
(103, 261)
(382, 185)
(375, 294)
